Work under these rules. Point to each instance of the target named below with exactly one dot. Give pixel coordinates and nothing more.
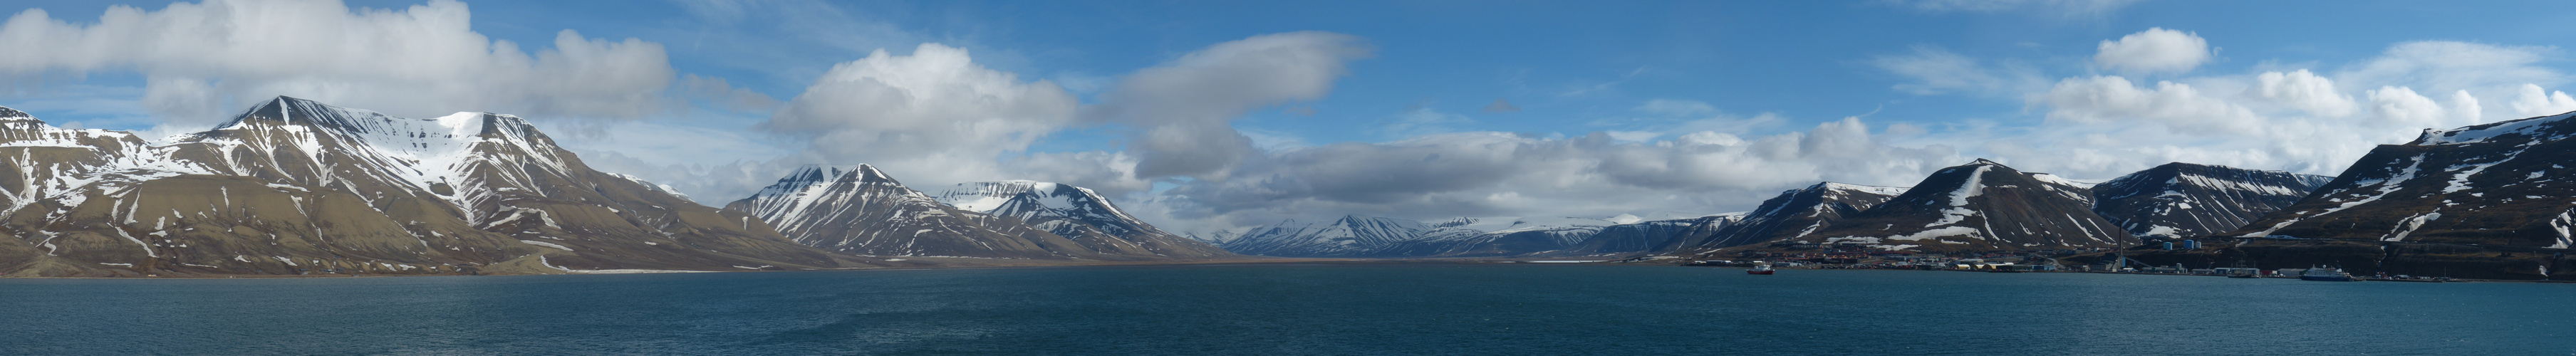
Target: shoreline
(1222, 262)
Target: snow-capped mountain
(1445, 236)
(42, 161)
(1524, 236)
(863, 211)
(2497, 184)
(1979, 206)
(1214, 238)
(1653, 235)
(1349, 236)
(1077, 213)
(1793, 214)
(2188, 200)
(294, 186)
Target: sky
(1205, 115)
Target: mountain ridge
(292, 186)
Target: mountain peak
(283, 109)
(291, 111)
(1984, 162)
(825, 173)
(8, 113)
(814, 173)
(869, 174)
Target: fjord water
(1287, 309)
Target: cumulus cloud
(200, 60)
(2103, 99)
(2401, 106)
(2305, 91)
(2152, 51)
(1183, 110)
(2531, 101)
(934, 115)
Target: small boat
(1760, 267)
(2325, 274)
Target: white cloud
(2156, 50)
(1184, 109)
(2305, 91)
(2106, 99)
(2401, 106)
(2533, 101)
(934, 116)
(200, 60)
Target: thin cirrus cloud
(198, 59)
(1934, 70)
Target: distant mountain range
(1980, 206)
(863, 211)
(293, 186)
(2484, 201)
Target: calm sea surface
(1288, 309)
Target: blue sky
(1687, 107)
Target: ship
(2325, 274)
(1761, 268)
